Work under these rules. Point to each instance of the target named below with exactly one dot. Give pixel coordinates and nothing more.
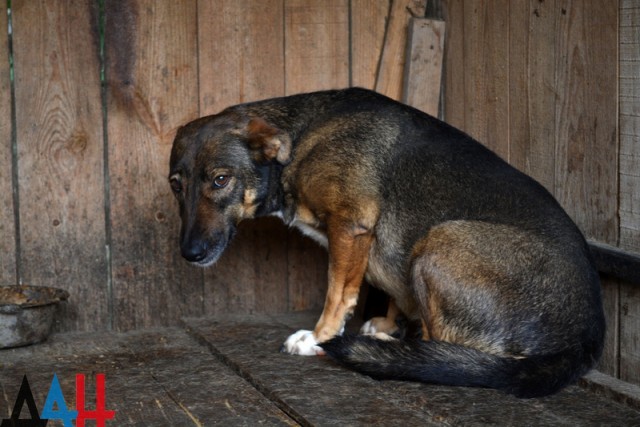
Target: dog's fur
(482, 255)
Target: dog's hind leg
(458, 284)
(487, 286)
(383, 324)
(349, 246)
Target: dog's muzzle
(205, 252)
(195, 250)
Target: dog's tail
(438, 362)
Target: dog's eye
(176, 185)
(221, 181)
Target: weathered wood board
(317, 47)
(532, 67)
(369, 21)
(423, 67)
(240, 51)
(629, 327)
(531, 82)
(60, 150)
(610, 362)
(8, 273)
(486, 79)
(389, 80)
(586, 125)
(252, 274)
(454, 64)
(151, 63)
(629, 81)
(152, 378)
(318, 392)
(233, 374)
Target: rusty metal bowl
(26, 313)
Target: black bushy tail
(439, 362)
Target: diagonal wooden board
(153, 378)
(315, 391)
(233, 374)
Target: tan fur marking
(369, 212)
(453, 263)
(425, 331)
(249, 207)
(304, 214)
(308, 224)
(273, 143)
(348, 256)
(387, 324)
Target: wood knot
(77, 142)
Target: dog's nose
(194, 251)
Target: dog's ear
(268, 142)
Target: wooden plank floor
(214, 372)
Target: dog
(498, 277)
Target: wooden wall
(553, 87)
(625, 324)
(537, 82)
(99, 88)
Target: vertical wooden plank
(629, 125)
(629, 180)
(152, 77)
(486, 50)
(7, 220)
(252, 274)
(60, 152)
(316, 45)
(241, 52)
(586, 104)
(532, 93)
(241, 59)
(609, 363)
(391, 70)
(629, 327)
(423, 70)
(316, 57)
(629, 208)
(368, 26)
(454, 64)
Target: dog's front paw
(302, 343)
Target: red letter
(100, 414)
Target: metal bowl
(26, 313)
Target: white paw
(378, 325)
(383, 336)
(369, 328)
(302, 343)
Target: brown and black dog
(499, 276)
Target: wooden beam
(616, 263)
(389, 79)
(423, 67)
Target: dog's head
(214, 174)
